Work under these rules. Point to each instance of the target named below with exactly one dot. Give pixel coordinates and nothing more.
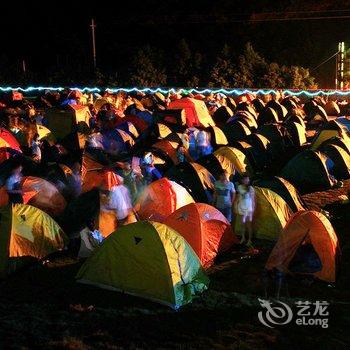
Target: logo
(277, 313)
(274, 315)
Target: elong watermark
(277, 313)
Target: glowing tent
(26, 233)
(307, 228)
(204, 228)
(196, 111)
(149, 260)
(161, 198)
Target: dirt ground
(39, 305)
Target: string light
(229, 92)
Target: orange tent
(204, 228)
(161, 198)
(95, 175)
(7, 140)
(196, 111)
(307, 227)
(42, 194)
(169, 148)
(139, 123)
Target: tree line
(182, 67)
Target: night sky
(51, 33)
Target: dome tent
(285, 189)
(271, 214)
(328, 131)
(307, 227)
(147, 259)
(196, 111)
(308, 172)
(26, 233)
(161, 198)
(235, 131)
(341, 160)
(236, 157)
(198, 181)
(204, 228)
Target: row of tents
(164, 256)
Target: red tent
(204, 228)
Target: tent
(161, 198)
(329, 130)
(204, 228)
(214, 166)
(162, 130)
(248, 120)
(129, 128)
(94, 174)
(259, 153)
(285, 189)
(73, 119)
(173, 117)
(342, 142)
(167, 149)
(271, 214)
(217, 136)
(26, 233)
(7, 140)
(42, 194)
(7, 143)
(344, 121)
(341, 160)
(198, 181)
(39, 193)
(236, 157)
(308, 172)
(307, 227)
(297, 133)
(222, 115)
(196, 111)
(317, 114)
(149, 260)
(289, 104)
(267, 116)
(139, 123)
(45, 134)
(117, 141)
(258, 104)
(332, 108)
(278, 108)
(235, 131)
(275, 134)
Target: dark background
(51, 36)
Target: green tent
(308, 172)
(147, 259)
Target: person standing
(224, 195)
(245, 207)
(120, 201)
(36, 150)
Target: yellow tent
(45, 134)
(332, 129)
(147, 259)
(270, 216)
(236, 157)
(26, 232)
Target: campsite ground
(39, 306)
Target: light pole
(93, 26)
